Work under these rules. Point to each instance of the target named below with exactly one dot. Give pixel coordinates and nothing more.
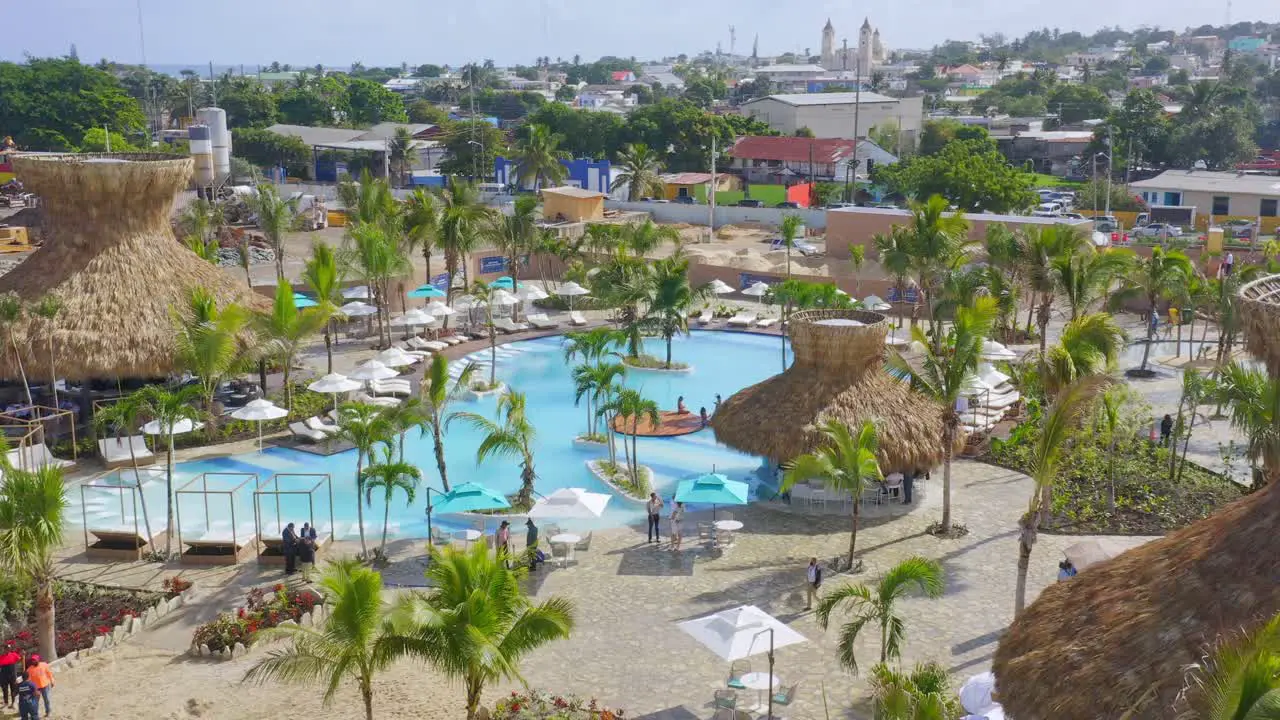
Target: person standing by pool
(502, 542)
(677, 517)
(680, 408)
(289, 543)
(654, 508)
(39, 674)
(703, 414)
(717, 407)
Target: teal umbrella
(426, 291)
(467, 497)
(302, 301)
(506, 282)
(712, 489)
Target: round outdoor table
(760, 682)
(467, 536)
(566, 539)
(730, 525)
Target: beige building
(830, 115)
(1220, 194)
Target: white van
(1053, 208)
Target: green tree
(50, 103)
(354, 643)
(264, 148)
(370, 103)
(304, 106)
(632, 407)
(845, 464)
(390, 475)
(123, 418)
(365, 427)
(275, 217)
(791, 223)
(100, 140)
(209, 343)
(538, 157)
(168, 408)
(1239, 678)
(923, 693)
(399, 154)
(887, 135)
(47, 308)
(476, 623)
(423, 112)
(437, 395)
(595, 381)
(284, 329)
(1057, 425)
(971, 174)
(483, 295)
(1089, 345)
(1254, 400)
(422, 225)
(324, 277)
(514, 234)
(1046, 248)
(461, 219)
(1077, 103)
(641, 171)
(878, 607)
(1159, 277)
(671, 298)
(943, 375)
(938, 243)
(33, 509)
(247, 101)
(513, 437)
(471, 147)
(11, 311)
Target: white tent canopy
(394, 357)
(358, 309)
(439, 309)
(757, 289)
(571, 288)
(720, 287)
(740, 632)
(570, 503)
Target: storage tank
(202, 154)
(216, 119)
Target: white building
(831, 115)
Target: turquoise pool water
(721, 362)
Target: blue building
(585, 173)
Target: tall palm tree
(484, 293)
(1090, 345)
(461, 218)
(1161, 276)
(894, 253)
(399, 147)
(275, 217)
(323, 275)
(422, 224)
(124, 417)
(590, 345)
(476, 623)
(845, 463)
(1057, 424)
(1047, 248)
(640, 171)
(390, 475)
(538, 156)
(285, 329)
(1238, 680)
(513, 437)
(1086, 278)
(1110, 413)
(944, 374)
(365, 427)
(11, 310)
(876, 606)
(437, 395)
(33, 509)
(1254, 399)
(595, 381)
(642, 238)
(47, 309)
(355, 642)
(790, 226)
(624, 283)
(168, 408)
(938, 243)
(513, 235)
(671, 298)
(631, 406)
(211, 343)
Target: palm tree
(275, 217)
(210, 343)
(124, 416)
(33, 510)
(945, 373)
(846, 464)
(875, 606)
(938, 242)
(168, 408)
(1158, 277)
(590, 345)
(476, 623)
(790, 226)
(365, 427)
(375, 252)
(1238, 680)
(924, 693)
(483, 292)
(47, 309)
(1090, 345)
(285, 329)
(642, 238)
(1085, 278)
(10, 313)
(512, 438)
(513, 235)
(630, 405)
(641, 169)
(894, 251)
(1254, 399)
(422, 224)
(389, 475)
(1047, 248)
(671, 297)
(595, 381)
(355, 642)
(461, 215)
(538, 156)
(399, 147)
(437, 394)
(1056, 427)
(323, 276)
(624, 283)
(1110, 407)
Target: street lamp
(1106, 155)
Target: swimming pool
(720, 362)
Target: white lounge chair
(124, 534)
(1000, 402)
(116, 451)
(302, 432)
(315, 423)
(408, 349)
(765, 322)
(220, 535)
(367, 399)
(576, 318)
(744, 319)
(988, 374)
(34, 456)
(452, 339)
(541, 321)
(505, 325)
(400, 388)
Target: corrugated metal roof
(316, 135)
(1208, 181)
(791, 149)
(840, 98)
(685, 178)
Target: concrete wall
(834, 121)
(699, 214)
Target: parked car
(1158, 230)
(684, 200)
(750, 203)
(837, 206)
(1239, 228)
(1051, 208)
(789, 205)
(1106, 223)
(1072, 216)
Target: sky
(388, 32)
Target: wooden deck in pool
(670, 424)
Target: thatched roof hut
(1260, 312)
(1119, 635)
(838, 373)
(110, 256)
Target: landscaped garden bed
(539, 705)
(264, 608)
(82, 612)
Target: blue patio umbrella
(467, 497)
(506, 282)
(303, 301)
(712, 489)
(426, 291)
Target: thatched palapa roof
(1119, 635)
(1260, 312)
(110, 256)
(838, 373)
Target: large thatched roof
(1260, 312)
(1120, 634)
(111, 257)
(838, 373)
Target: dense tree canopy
(265, 149)
(970, 174)
(368, 103)
(473, 145)
(49, 104)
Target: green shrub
(653, 363)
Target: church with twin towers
(863, 58)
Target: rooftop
(979, 217)
(337, 137)
(574, 192)
(686, 178)
(840, 98)
(792, 149)
(767, 69)
(1208, 181)
(316, 135)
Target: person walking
(1166, 429)
(531, 544)
(813, 581)
(307, 546)
(28, 698)
(502, 542)
(654, 508)
(39, 674)
(289, 542)
(677, 532)
(10, 665)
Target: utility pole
(1110, 150)
(857, 103)
(471, 86)
(711, 195)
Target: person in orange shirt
(39, 674)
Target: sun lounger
(452, 339)
(999, 402)
(116, 451)
(220, 536)
(576, 318)
(742, 319)
(541, 321)
(407, 349)
(400, 388)
(367, 399)
(302, 432)
(314, 423)
(988, 374)
(505, 325)
(765, 322)
(34, 456)
(124, 534)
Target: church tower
(877, 50)
(865, 41)
(829, 45)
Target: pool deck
(670, 424)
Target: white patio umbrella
(976, 697)
(740, 632)
(334, 384)
(571, 290)
(416, 316)
(875, 303)
(992, 350)
(358, 309)
(439, 309)
(359, 292)
(502, 297)
(372, 370)
(720, 287)
(531, 292)
(260, 411)
(757, 289)
(182, 427)
(394, 357)
(570, 503)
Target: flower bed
(264, 608)
(540, 705)
(83, 612)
